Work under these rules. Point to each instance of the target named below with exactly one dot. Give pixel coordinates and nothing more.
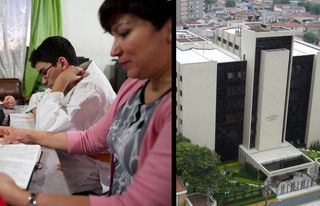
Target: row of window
(230, 44)
(238, 75)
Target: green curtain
(45, 21)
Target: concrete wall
(248, 49)
(198, 102)
(271, 98)
(313, 120)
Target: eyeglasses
(44, 71)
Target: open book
(18, 161)
(23, 120)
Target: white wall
(271, 98)
(248, 48)
(313, 129)
(198, 102)
(80, 24)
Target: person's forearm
(21, 197)
(53, 140)
(61, 200)
(18, 197)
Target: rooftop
(203, 55)
(185, 36)
(285, 151)
(259, 27)
(281, 164)
(301, 48)
(278, 161)
(198, 199)
(179, 185)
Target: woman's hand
(9, 135)
(11, 192)
(9, 102)
(7, 185)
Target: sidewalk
(299, 192)
(263, 202)
(290, 195)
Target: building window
(180, 93)
(219, 38)
(180, 78)
(180, 106)
(181, 121)
(230, 44)
(230, 75)
(236, 47)
(224, 41)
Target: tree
(315, 9)
(180, 138)
(281, 2)
(310, 38)
(197, 166)
(301, 3)
(307, 6)
(230, 3)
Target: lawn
(243, 181)
(314, 154)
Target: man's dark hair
(155, 11)
(51, 49)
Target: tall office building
(189, 9)
(196, 9)
(210, 94)
(182, 12)
(262, 101)
(270, 78)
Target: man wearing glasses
(66, 106)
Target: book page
(20, 172)
(18, 161)
(20, 152)
(25, 121)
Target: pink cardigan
(151, 184)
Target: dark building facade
(299, 99)
(230, 108)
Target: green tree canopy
(315, 9)
(197, 166)
(310, 38)
(310, 7)
(180, 138)
(281, 2)
(230, 3)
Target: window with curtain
(45, 21)
(14, 17)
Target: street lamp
(266, 192)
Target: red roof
(233, 10)
(191, 21)
(288, 24)
(303, 15)
(179, 185)
(313, 25)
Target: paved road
(299, 200)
